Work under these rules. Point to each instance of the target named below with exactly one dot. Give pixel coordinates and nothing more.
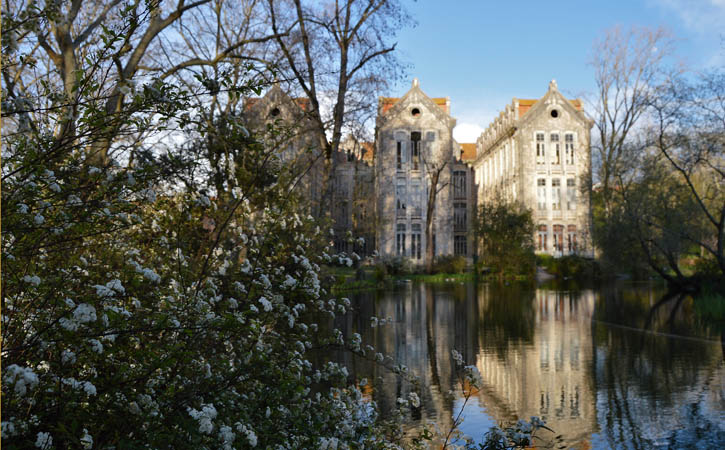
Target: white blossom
(23, 377)
(67, 357)
(43, 440)
(86, 440)
(205, 417)
(265, 303)
(32, 279)
(96, 346)
(414, 399)
(84, 313)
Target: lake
(613, 367)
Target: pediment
(416, 98)
(553, 99)
(276, 98)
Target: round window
(415, 112)
(274, 112)
(554, 113)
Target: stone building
(280, 121)
(537, 152)
(416, 154)
(353, 198)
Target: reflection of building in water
(550, 376)
(428, 322)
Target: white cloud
(700, 16)
(467, 132)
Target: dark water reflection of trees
(578, 357)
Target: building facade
(537, 152)
(419, 172)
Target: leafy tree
(505, 231)
(677, 204)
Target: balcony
(417, 212)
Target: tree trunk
(430, 210)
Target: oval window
(554, 113)
(415, 112)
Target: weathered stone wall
(402, 188)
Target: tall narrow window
(541, 235)
(569, 148)
(570, 194)
(541, 193)
(415, 149)
(416, 198)
(399, 158)
(540, 149)
(556, 194)
(400, 199)
(571, 238)
(460, 245)
(415, 241)
(460, 216)
(400, 240)
(559, 238)
(343, 213)
(459, 184)
(557, 150)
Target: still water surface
(613, 367)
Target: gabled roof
(468, 151)
(525, 105)
(522, 111)
(388, 102)
(276, 92)
(389, 107)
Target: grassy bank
(371, 277)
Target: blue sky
(483, 53)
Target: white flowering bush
(151, 300)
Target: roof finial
(552, 85)
(416, 83)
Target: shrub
(396, 265)
(449, 264)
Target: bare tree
(339, 53)
(437, 175)
(628, 65)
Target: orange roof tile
(303, 103)
(368, 151)
(525, 105)
(468, 152)
(388, 102)
(250, 102)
